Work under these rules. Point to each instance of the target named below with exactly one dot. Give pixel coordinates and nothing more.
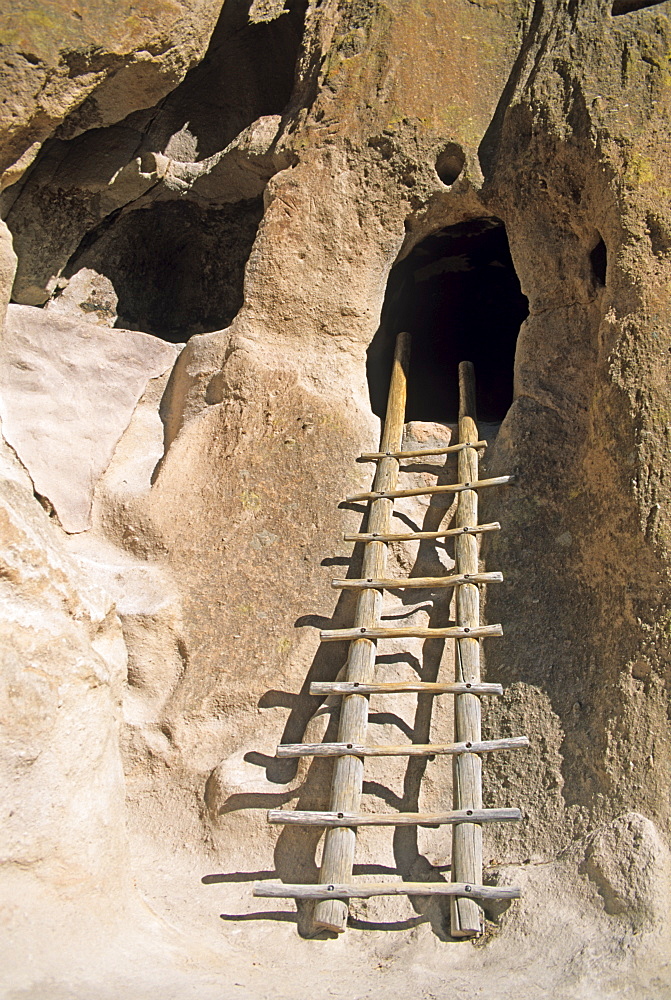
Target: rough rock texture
(7, 270)
(258, 210)
(629, 863)
(64, 665)
(68, 391)
(90, 64)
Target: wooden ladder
(343, 817)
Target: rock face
(64, 667)
(90, 65)
(68, 393)
(629, 864)
(491, 175)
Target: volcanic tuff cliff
(216, 219)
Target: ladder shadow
(325, 666)
(296, 849)
(439, 513)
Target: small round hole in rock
(450, 163)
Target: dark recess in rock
(248, 72)
(629, 6)
(450, 163)
(177, 268)
(458, 294)
(599, 261)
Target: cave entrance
(249, 71)
(458, 294)
(173, 269)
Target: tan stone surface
(67, 394)
(7, 271)
(63, 669)
(112, 59)
(220, 503)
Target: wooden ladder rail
(342, 819)
(346, 789)
(466, 915)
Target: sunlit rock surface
(493, 176)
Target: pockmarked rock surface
(67, 393)
(493, 176)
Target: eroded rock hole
(173, 269)
(599, 261)
(458, 294)
(629, 6)
(450, 163)
(84, 175)
(247, 72)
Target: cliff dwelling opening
(175, 268)
(248, 72)
(599, 260)
(86, 180)
(458, 294)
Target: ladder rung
(368, 536)
(306, 818)
(408, 750)
(374, 456)
(420, 582)
(364, 890)
(457, 632)
(397, 687)
(426, 490)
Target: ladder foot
(331, 915)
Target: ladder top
(364, 890)
(374, 456)
(395, 687)
(407, 750)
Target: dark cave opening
(247, 72)
(599, 260)
(458, 294)
(629, 6)
(177, 268)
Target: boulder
(67, 393)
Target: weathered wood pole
(466, 915)
(339, 843)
